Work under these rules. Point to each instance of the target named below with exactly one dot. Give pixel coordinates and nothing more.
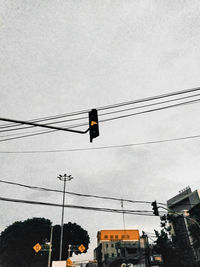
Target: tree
(73, 235)
(18, 239)
(164, 246)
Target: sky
(59, 57)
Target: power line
(28, 127)
(103, 147)
(132, 212)
(152, 110)
(113, 105)
(35, 133)
(17, 128)
(44, 132)
(43, 125)
(39, 132)
(150, 105)
(76, 194)
(27, 135)
(116, 105)
(109, 119)
(150, 98)
(49, 118)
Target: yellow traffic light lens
(93, 123)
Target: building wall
(114, 253)
(184, 200)
(180, 204)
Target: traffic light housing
(155, 208)
(93, 124)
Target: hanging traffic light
(155, 208)
(93, 124)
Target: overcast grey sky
(62, 56)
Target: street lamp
(50, 246)
(64, 178)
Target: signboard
(68, 262)
(156, 259)
(37, 247)
(81, 248)
(117, 235)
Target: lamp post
(64, 178)
(50, 247)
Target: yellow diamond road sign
(37, 247)
(81, 248)
(68, 262)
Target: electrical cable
(40, 132)
(150, 98)
(108, 113)
(113, 118)
(150, 105)
(27, 135)
(76, 194)
(114, 105)
(52, 123)
(49, 118)
(119, 117)
(152, 110)
(109, 119)
(131, 212)
(102, 147)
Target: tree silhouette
(173, 252)
(18, 239)
(17, 242)
(73, 235)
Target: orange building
(118, 246)
(118, 235)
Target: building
(115, 247)
(183, 208)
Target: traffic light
(93, 124)
(155, 208)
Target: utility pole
(50, 247)
(122, 206)
(64, 178)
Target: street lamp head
(65, 177)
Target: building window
(116, 237)
(127, 236)
(111, 237)
(112, 255)
(105, 236)
(106, 245)
(112, 245)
